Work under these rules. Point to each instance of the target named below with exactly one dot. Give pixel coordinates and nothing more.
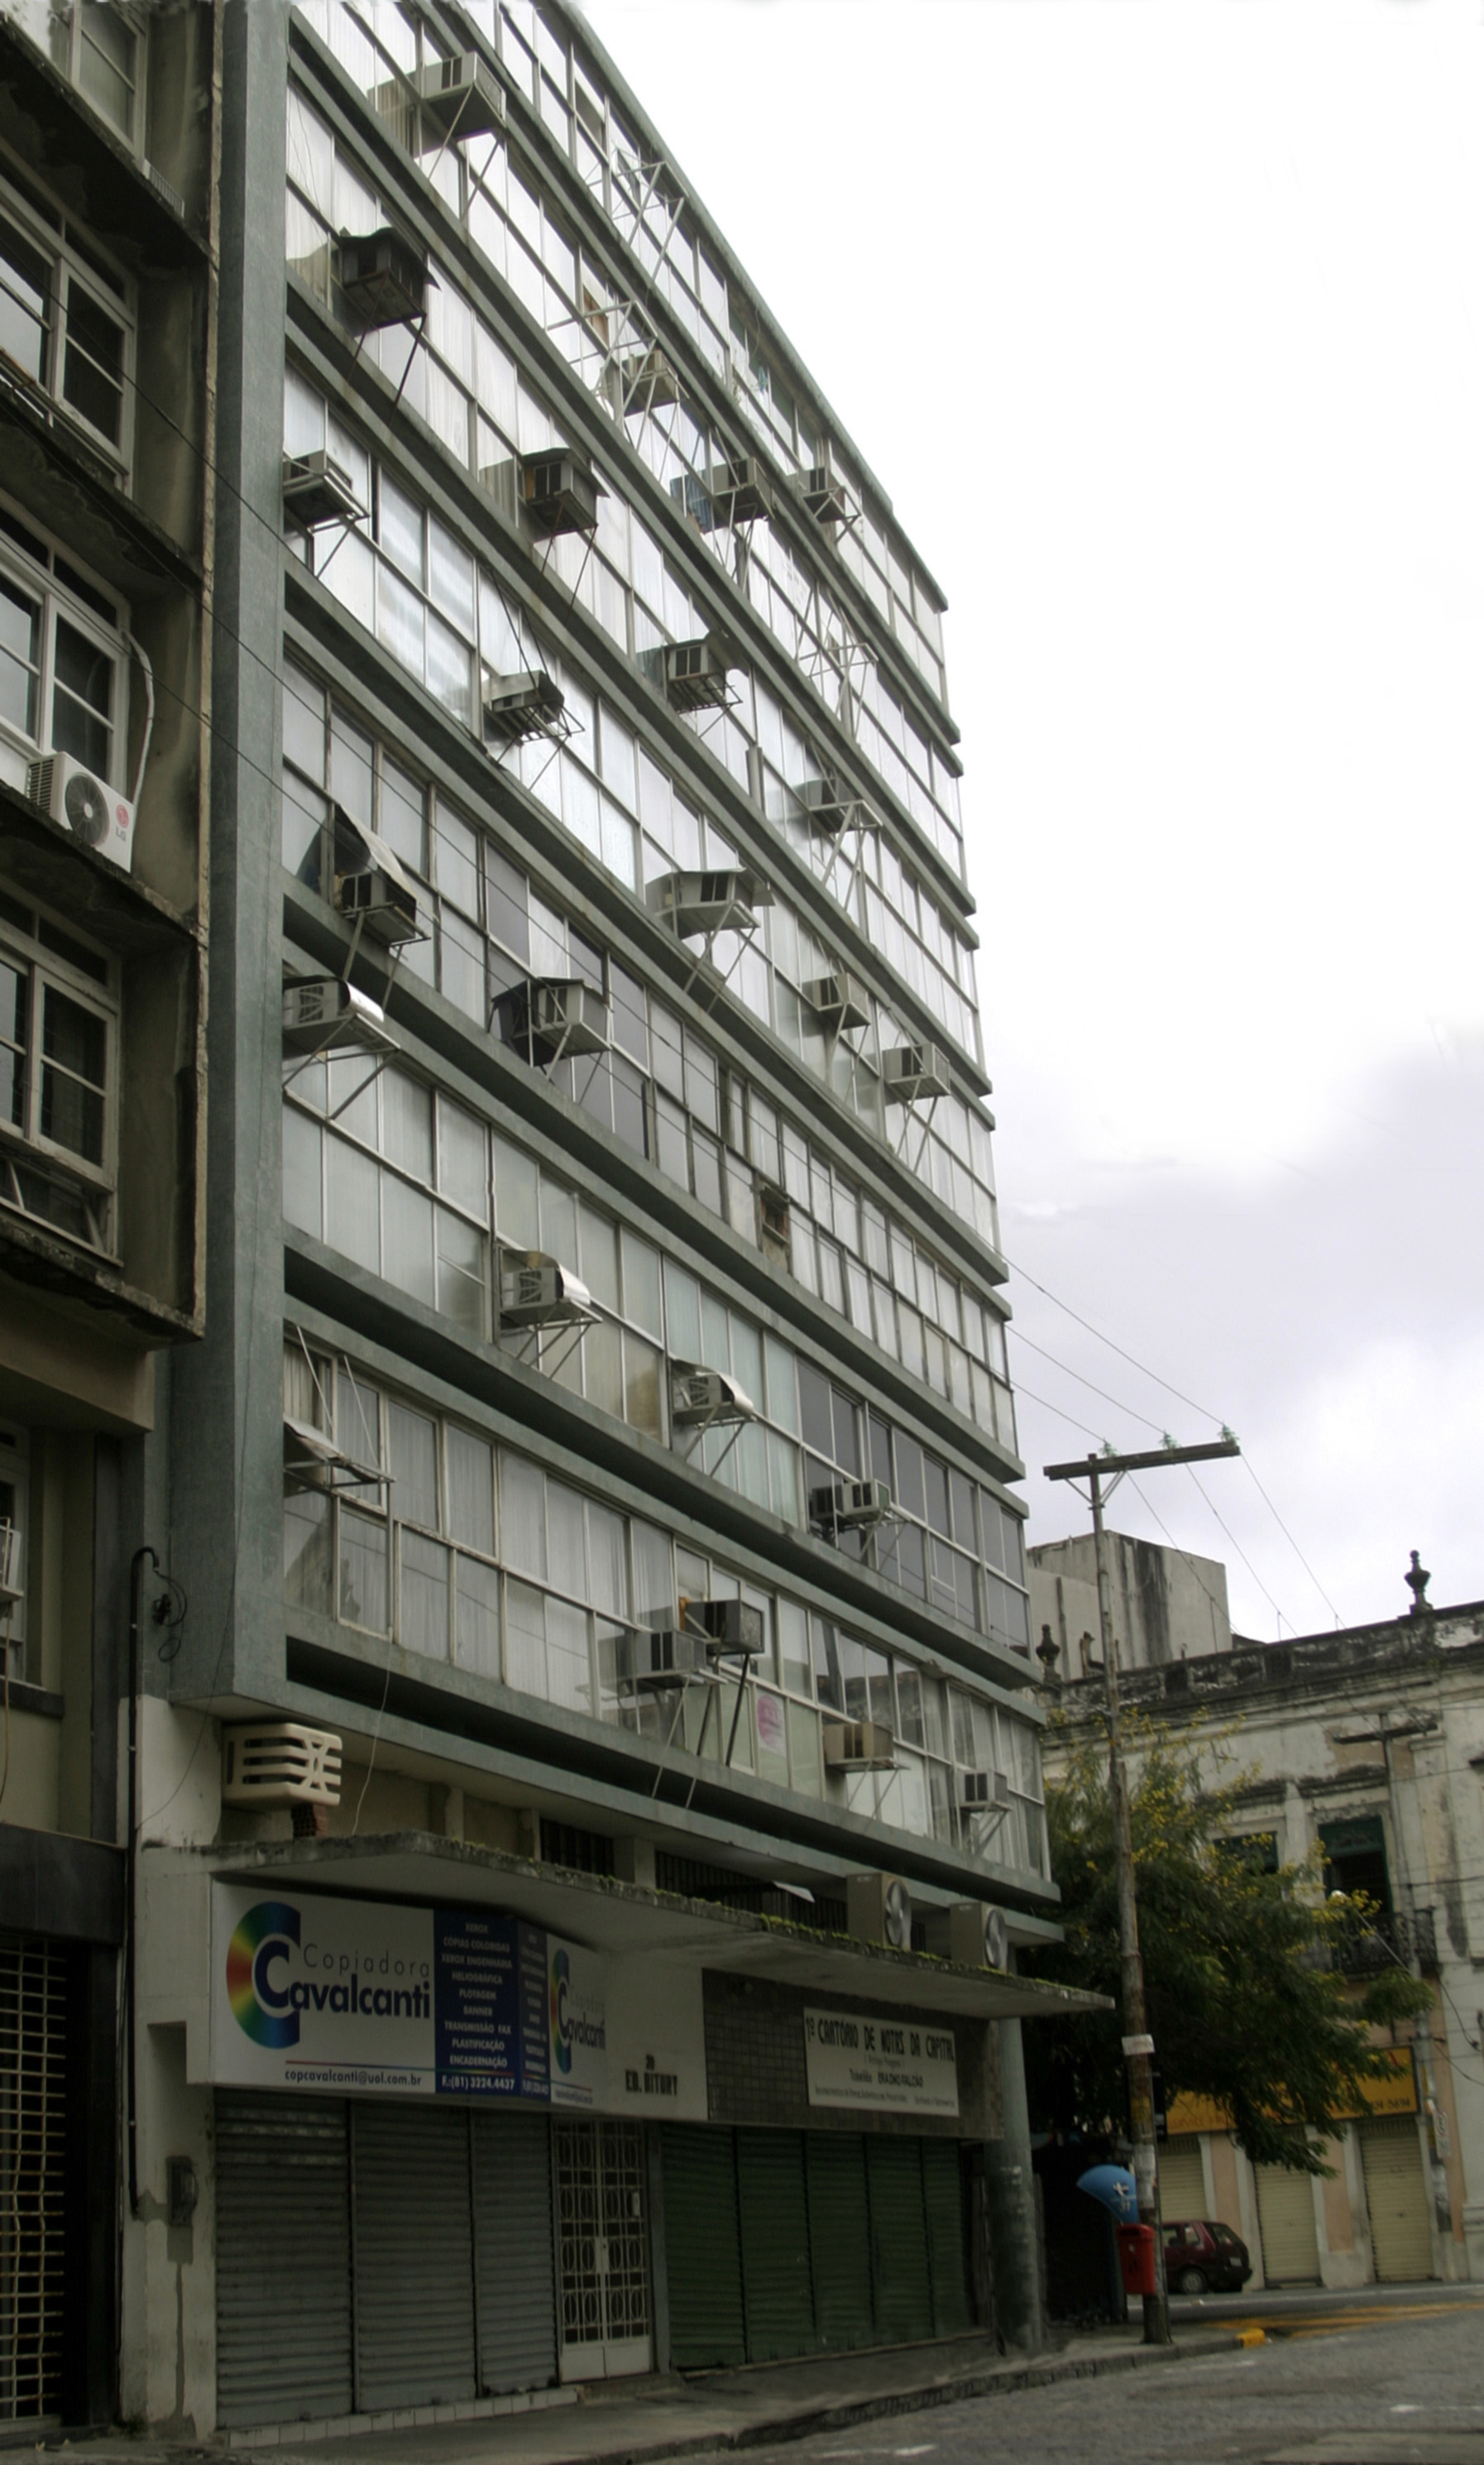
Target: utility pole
(1138, 2043)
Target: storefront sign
(899, 2066)
(657, 2041)
(1394, 2091)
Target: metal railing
(1386, 1939)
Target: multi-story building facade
(601, 1441)
(106, 326)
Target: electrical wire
(1293, 1544)
(1134, 1362)
(1241, 1552)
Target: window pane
(471, 1499)
(352, 1208)
(302, 1200)
(478, 1618)
(463, 1274)
(525, 1639)
(81, 699)
(21, 656)
(74, 1046)
(407, 1254)
(307, 1564)
(93, 363)
(522, 1509)
(413, 1466)
(363, 1571)
(424, 1623)
(25, 281)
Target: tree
(1247, 2001)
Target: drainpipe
(137, 1565)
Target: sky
(1162, 323)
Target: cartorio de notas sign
(852, 2058)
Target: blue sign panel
(489, 2006)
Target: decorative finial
(1418, 1579)
(1047, 1653)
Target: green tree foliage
(1245, 2000)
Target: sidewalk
(629, 2422)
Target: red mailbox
(1136, 2259)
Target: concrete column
(1010, 2187)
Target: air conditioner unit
(696, 673)
(728, 1626)
(652, 1663)
(650, 379)
(84, 804)
(521, 706)
(318, 490)
(878, 1908)
(11, 1588)
(383, 278)
(978, 1937)
(741, 492)
(554, 1018)
(912, 1073)
(850, 1505)
(708, 902)
(460, 96)
(829, 807)
(824, 497)
(773, 1221)
(375, 892)
(279, 1763)
(985, 1793)
(840, 1000)
(536, 1291)
(700, 1397)
(559, 493)
(327, 1015)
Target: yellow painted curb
(1252, 2336)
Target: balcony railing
(1386, 1939)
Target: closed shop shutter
(901, 2289)
(1290, 2239)
(773, 2213)
(1396, 2194)
(414, 2256)
(702, 2248)
(34, 2158)
(283, 2341)
(839, 2223)
(515, 2295)
(942, 2199)
(1181, 2180)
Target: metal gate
(1181, 2180)
(33, 2156)
(1396, 2194)
(414, 2256)
(773, 2215)
(1289, 2237)
(284, 2334)
(942, 2205)
(901, 2290)
(702, 2248)
(515, 2303)
(603, 2269)
(839, 2237)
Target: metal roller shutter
(942, 2200)
(414, 2256)
(702, 2248)
(839, 2221)
(1290, 2238)
(514, 2291)
(1181, 2180)
(773, 2213)
(1396, 2194)
(900, 2285)
(284, 2340)
(33, 2163)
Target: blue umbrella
(1114, 2186)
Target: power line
(1133, 1362)
(1294, 1545)
(1241, 1553)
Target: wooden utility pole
(1138, 2043)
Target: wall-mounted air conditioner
(317, 491)
(370, 886)
(521, 706)
(728, 1626)
(703, 1398)
(279, 1763)
(840, 1001)
(85, 805)
(559, 493)
(697, 673)
(556, 1018)
(878, 1907)
(536, 1291)
(460, 96)
(652, 1663)
(829, 807)
(914, 1073)
(708, 902)
(327, 1015)
(741, 492)
(383, 278)
(978, 1937)
(824, 497)
(649, 381)
(984, 1792)
(850, 1505)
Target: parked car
(1203, 2257)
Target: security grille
(33, 2110)
(603, 2247)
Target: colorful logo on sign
(261, 2009)
(560, 2025)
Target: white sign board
(657, 2041)
(892, 2066)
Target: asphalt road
(1399, 2383)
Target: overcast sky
(1161, 322)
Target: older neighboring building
(1363, 1749)
(107, 123)
(604, 1668)
(1166, 1603)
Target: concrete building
(1365, 1750)
(1166, 1603)
(590, 1794)
(107, 310)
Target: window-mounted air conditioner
(741, 492)
(878, 1907)
(984, 1792)
(521, 706)
(648, 380)
(536, 1291)
(840, 1001)
(327, 1015)
(318, 490)
(914, 1073)
(824, 497)
(11, 1588)
(460, 96)
(555, 1019)
(279, 1763)
(559, 493)
(370, 886)
(727, 1626)
(829, 807)
(85, 805)
(696, 673)
(850, 1505)
(651, 1662)
(708, 902)
(773, 1222)
(383, 278)
(699, 1398)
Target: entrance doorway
(603, 2258)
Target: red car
(1202, 2256)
